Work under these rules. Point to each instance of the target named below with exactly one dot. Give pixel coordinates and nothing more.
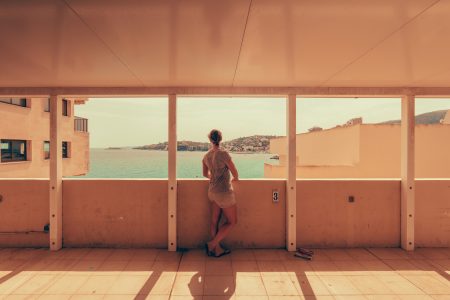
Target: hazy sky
(140, 121)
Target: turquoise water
(131, 163)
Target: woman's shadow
(201, 285)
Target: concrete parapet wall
(115, 213)
(133, 213)
(24, 211)
(326, 218)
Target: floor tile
(218, 268)
(428, 284)
(97, 284)
(271, 267)
(242, 254)
(127, 285)
(279, 285)
(250, 286)
(188, 285)
(339, 285)
(310, 285)
(247, 268)
(192, 267)
(369, 285)
(67, 284)
(219, 285)
(35, 285)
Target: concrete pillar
(407, 173)
(172, 192)
(55, 173)
(291, 183)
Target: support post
(291, 184)
(55, 173)
(172, 187)
(407, 173)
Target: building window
(65, 107)
(13, 150)
(47, 105)
(46, 150)
(65, 150)
(15, 101)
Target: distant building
(446, 119)
(24, 137)
(364, 151)
(354, 121)
(315, 128)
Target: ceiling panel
(197, 43)
(171, 43)
(307, 42)
(43, 43)
(417, 55)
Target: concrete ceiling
(203, 43)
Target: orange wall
(326, 154)
(261, 222)
(133, 213)
(25, 207)
(432, 223)
(33, 124)
(115, 213)
(325, 217)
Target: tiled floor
(245, 274)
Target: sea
(134, 163)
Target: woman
(217, 165)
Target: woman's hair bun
(215, 136)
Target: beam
(338, 92)
(291, 184)
(55, 173)
(407, 173)
(172, 182)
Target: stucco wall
(24, 208)
(326, 218)
(33, 124)
(133, 213)
(261, 222)
(379, 153)
(432, 223)
(115, 213)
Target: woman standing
(217, 165)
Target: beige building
(364, 151)
(24, 135)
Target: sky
(121, 122)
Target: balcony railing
(81, 124)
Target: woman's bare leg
(215, 217)
(231, 220)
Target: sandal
(225, 252)
(209, 252)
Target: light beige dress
(220, 189)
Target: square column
(291, 183)
(172, 182)
(407, 173)
(55, 173)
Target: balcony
(80, 124)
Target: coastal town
(249, 144)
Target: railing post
(55, 173)
(407, 173)
(291, 184)
(172, 182)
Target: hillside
(433, 117)
(254, 143)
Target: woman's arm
(233, 169)
(205, 170)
